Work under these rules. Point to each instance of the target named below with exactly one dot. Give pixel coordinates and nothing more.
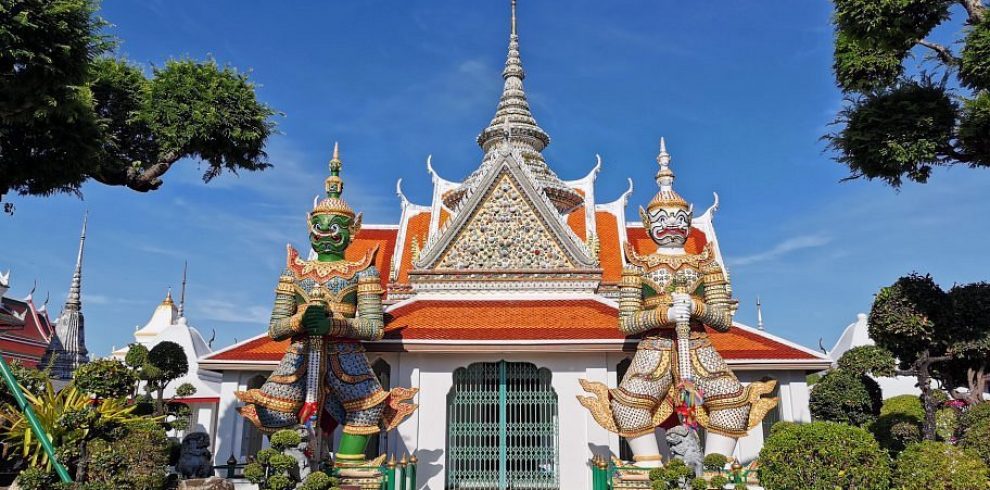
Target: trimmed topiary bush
(822, 456)
(931, 465)
(718, 481)
(899, 423)
(318, 480)
(699, 483)
(715, 462)
(846, 397)
(284, 439)
(975, 424)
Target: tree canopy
(900, 123)
(71, 111)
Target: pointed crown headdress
(667, 196)
(333, 204)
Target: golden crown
(333, 203)
(667, 196)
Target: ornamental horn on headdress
(333, 204)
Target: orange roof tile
(610, 250)
(419, 227)
(522, 320)
(368, 238)
(577, 222)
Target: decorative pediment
(506, 224)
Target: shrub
(975, 425)
(254, 472)
(931, 465)
(283, 462)
(741, 486)
(285, 439)
(715, 462)
(35, 478)
(105, 378)
(822, 456)
(899, 423)
(659, 485)
(719, 481)
(842, 396)
(699, 483)
(318, 480)
(279, 482)
(265, 455)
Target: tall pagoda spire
(66, 350)
(513, 123)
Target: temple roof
(27, 337)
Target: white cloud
(227, 311)
(787, 246)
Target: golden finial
(391, 461)
(413, 459)
(168, 298)
(404, 461)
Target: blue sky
(741, 90)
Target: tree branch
(944, 53)
(975, 9)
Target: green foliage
(656, 474)
(974, 66)
(265, 455)
(846, 397)
(864, 66)
(900, 131)
(170, 358)
(822, 456)
(741, 486)
(185, 390)
(318, 480)
(904, 316)
(897, 124)
(899, 423)
(868, 359)
(105, 378)
(719, 482)
(659, 485)
(70, 112)
(715, 462)
(254, 472)
(285, 439)
(69, 418)
(699, 483)
(933, 465)
(975, 424)
(48, 46)
(35, 478)
(202, 109)
(137, 356)
(279, 482)
(283, 462)
(30, 379)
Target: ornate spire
(759, 314)
(68, 346)
(514, 125)
(182, 292)
(667, 196)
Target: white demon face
(669, 226)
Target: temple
(501, 293)
(66, 349)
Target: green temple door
(502, 428)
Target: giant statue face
(670, 225)
(330, 233)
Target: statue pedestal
(360, 480)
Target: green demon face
(329, 234)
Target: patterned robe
(645, 397)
